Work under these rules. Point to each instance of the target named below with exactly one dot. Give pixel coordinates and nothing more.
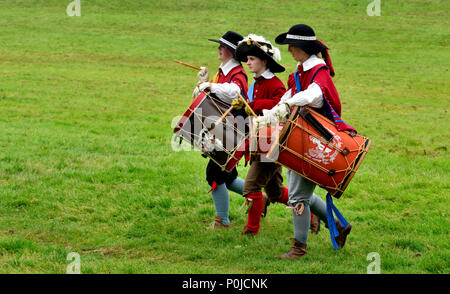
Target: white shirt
(232, 63)
(313, 95)
(267, 74)
(226, 92)
(312, 61)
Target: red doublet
(236, 75)
(266, 93)
(323, 79)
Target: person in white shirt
(309, 85)
(230, 79)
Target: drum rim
(187, 114)
(357, 163)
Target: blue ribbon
(250, 92)
(297, 82)
(331, 223)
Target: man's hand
(204, 86)
(274, 116)
(195, 92)
(203, 75)
(200, 88)
(237, 104)
(280, 111)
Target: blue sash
(330, 219)
(250, 92)
(298, 87)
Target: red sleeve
(261, 104)
(240, 79)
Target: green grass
(86, 165)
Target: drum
(310, 145)
(223, 140)
(263, 140)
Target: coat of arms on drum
(322, 152)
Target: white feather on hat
(261, 39)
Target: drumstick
(223, 115)
(246, 104)
(187, 64)
(213, 125)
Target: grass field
(86, 165)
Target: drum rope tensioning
(200, 113)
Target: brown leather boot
(266, 203)
(297, 250)
(343, 232)
(247, 231)
(315, 224)
(217, 223)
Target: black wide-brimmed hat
(257, 46)
(230, 40)
(304, 37)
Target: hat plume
(261, 39)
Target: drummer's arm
(312, 96)
(286, 96)
(226, 92)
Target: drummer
(315, 89)
(264, 93)
(230, 79)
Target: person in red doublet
(230, 80)
(264, 93)
(310, 85)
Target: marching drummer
(264, 93)
(309, 85)
(230, 80)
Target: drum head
(202, 127)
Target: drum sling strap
(308, 117)
(324, 132)
(330, 219)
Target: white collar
(267, 74)
(312, 61)
(232, 63)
